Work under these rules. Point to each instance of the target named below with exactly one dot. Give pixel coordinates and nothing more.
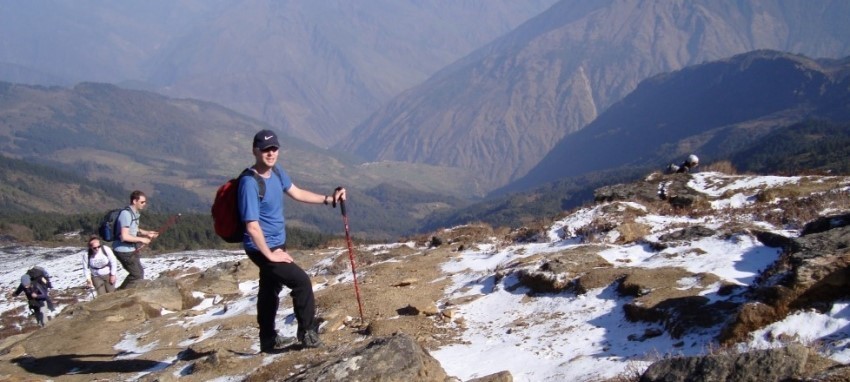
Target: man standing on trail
(265, 244)
(129, 236)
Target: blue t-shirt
(130, 219)
(269, 211)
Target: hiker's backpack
(38, 276)
(108, 229)
(227, 222)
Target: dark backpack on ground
(108, 229)
(227, 222)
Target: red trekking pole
(171, 221)
(351, 258)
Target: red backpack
(225, 209)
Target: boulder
(640, 191)
(598, 278)
(502, 376)
(811, 273)
(826, 223)
(660, 298)
(557, 271)
(689, 233)
(631, 232)
(161, 293)
(221, 279)
(782, 364)
(389, 359)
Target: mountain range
(502, 108)
(715, 109)
(313, 69)
(414, 80)
(739, 109)
(485, 123)
(179, 151)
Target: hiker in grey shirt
(100, 267)
(125, 247)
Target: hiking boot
(311, 339)
(276, 343)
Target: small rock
(406, 282)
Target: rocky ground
(196, 324)
(399, 290)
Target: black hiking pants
(133, 265)
(273, 277)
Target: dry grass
(634, 370)
(724, 167)
(596, 230)
(796, 212)
(631, 374)
(527, 235)
(798, 190)
(713, 348)
(789, 205)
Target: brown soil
(400, 289)
(388, 290)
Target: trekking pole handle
(342, 207)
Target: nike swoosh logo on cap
(269, 137)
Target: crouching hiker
(264, 242)
(35, 284)
(687, 166)
(100, 267)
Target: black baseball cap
(265, 139)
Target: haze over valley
(422, 109)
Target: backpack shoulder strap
(133, 216)
(279, 175)
(128, 209)
(261, 183)
(116, 225)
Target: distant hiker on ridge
(125, 246)
(265, 244)
(687, 166)
(35, 284)
(100, 267)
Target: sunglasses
(96, 247)
(143, 202)
(269, 149)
